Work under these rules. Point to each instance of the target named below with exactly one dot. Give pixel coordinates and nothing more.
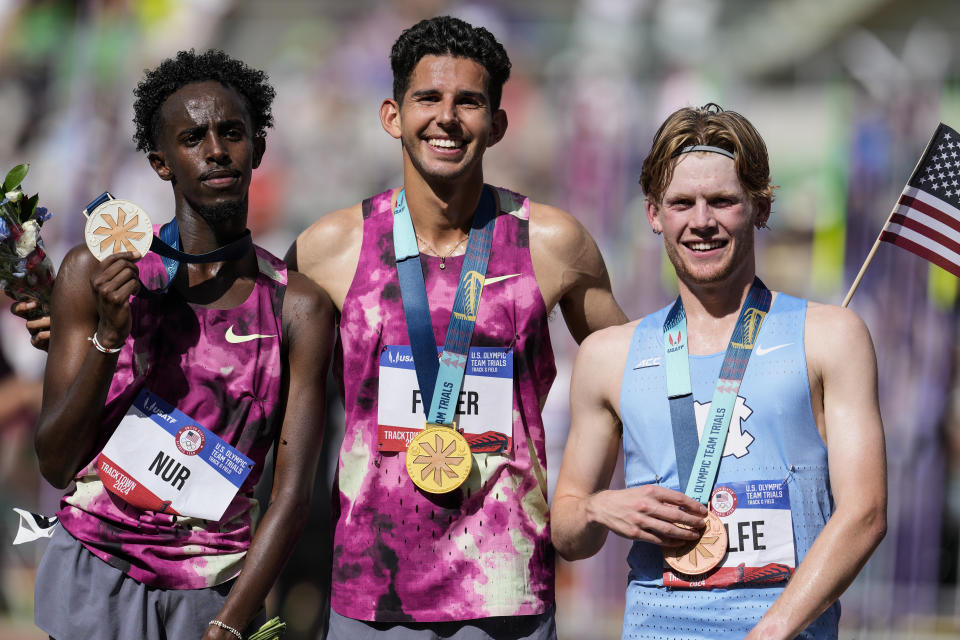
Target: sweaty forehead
(703, 172)
(448, 72)
(203, 103)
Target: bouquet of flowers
(25, 269)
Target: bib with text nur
(159, 459)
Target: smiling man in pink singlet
(477, 561)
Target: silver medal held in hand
(114, 226)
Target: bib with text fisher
(159, 459)
(484, 406)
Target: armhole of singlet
(366, 212)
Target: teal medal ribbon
(440, 382)
(697, 464)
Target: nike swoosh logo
(487, 281)
(762, 352)
(233, 338)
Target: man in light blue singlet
(790, 466)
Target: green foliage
(15, 177)
(272, 630)
(28, 206)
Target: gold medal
(116, 226)
(700, 556)
(439, 459)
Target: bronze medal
(439, 459)
(703, 555)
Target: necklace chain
(443, 258)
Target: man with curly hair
(753, 445)
(474, 562)
(224, 342)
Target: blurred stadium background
(846, 93)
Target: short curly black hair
(445, 35)
(187, 67)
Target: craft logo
(723, 501)
(190, 441)
(472, 286)
(752, 320)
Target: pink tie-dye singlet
(179, 352)
(483, 550)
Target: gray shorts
(78, 596)
(539, 627)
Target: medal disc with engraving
(700, 556)
(116, 226)
(438, 459)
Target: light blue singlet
(773, 436)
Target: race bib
(756, 515)
(160, 459)
(484, 408)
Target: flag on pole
(926, 220)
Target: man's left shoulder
(831, 318)
(831, 330)
(305, 302)
(557, 230)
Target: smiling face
(206, 148)
(445, 121)
(707, 221)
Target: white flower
(14, 196)
(27, 241)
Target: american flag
(192, 438)
(926, 219)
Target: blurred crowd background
(846, 94)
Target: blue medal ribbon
(697, 464)
(440, 382)
(167, 245)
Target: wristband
(217, 623)
(100, 347)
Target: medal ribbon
(167, 245)
(698, 471)
(440, 382)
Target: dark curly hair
(188, 67)
(445, 35)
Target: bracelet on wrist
(99, 347)
(227, 627)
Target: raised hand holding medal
(698, 463)
(114, 226)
